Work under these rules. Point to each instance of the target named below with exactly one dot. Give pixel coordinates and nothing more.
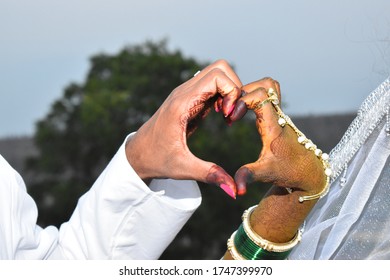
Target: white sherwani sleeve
(118, 218)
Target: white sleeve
(20, 236)
(122, 218)
(118, 218)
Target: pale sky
(327, 55)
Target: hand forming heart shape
(288, 159)
(159, 148)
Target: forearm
(279, 215)
(299, 174)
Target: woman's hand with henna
(159, 148)
(283, 161)
(292, 169)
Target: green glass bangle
(251, 251)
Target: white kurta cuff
(123, 218)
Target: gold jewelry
(260, 104)
(301, 138)
(264, 243)
(232, 249)
(245, 244)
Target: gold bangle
(232, 248)
(266, 244)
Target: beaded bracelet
(301, 138)
(245, 244)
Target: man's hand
(159, 148)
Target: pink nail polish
(228, 190)
(231, 109)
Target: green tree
(85, 127)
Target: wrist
(246, 244)
(136, 159)
(279, 214)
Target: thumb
(251, 172)
(209, 172)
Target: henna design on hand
(198, 110)
(283, 161)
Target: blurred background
(77, 76)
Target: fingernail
(228, 190)
(241, 191)
(230, 110)
(217, 109)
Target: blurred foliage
(85, 127)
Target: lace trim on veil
(370, 114)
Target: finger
(222, 65)
(218, 176)
(230, 95)
(265, 83)
(277, 89)
(229, 102)
(251, 172)
(218, 104)
(267, 120)
(216, 82)
(239, 110)
(254, 100)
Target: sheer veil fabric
(353, 220)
